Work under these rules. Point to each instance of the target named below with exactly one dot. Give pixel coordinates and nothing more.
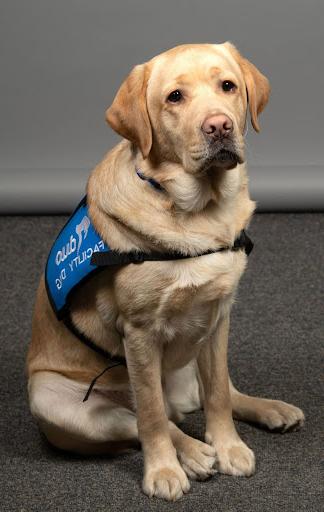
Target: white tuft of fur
(181, 389)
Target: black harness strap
(67, 320)
(114, 359)
(111, 258)
(243, 241)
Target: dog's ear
(257, 86)
(128, 114)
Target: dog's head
(189, 105)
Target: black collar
(155, 184)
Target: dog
(177, 182)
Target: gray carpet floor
(276, 333)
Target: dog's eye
(228, 86)
(175, 96)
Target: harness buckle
(138, 257)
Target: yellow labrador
(182, 116)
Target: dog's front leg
(234, 457)
(163, 474)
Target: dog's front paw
(198, 459)
(233, 456)
(168, 482)
(280, 416)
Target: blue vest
(69, 261)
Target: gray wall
(62, 62)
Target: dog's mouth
(222, 154)
(227, 156)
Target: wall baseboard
(58, 191)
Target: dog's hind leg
(96, 426)
(273, 414)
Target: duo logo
(83, 227)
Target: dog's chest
(180, 298)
